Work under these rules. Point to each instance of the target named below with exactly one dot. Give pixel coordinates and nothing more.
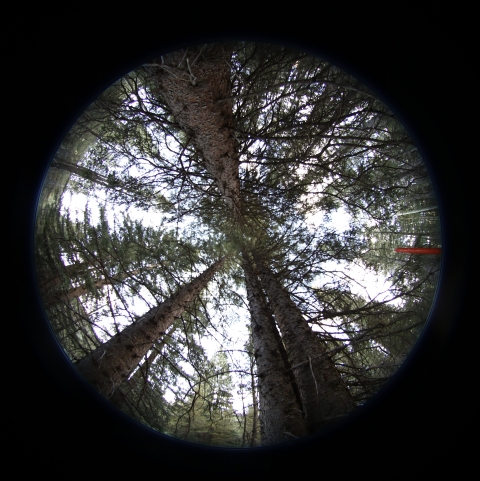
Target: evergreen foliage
(301, 143)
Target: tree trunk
(280, 414)
(70, 270)
(51, 299)
(83, 172)
(253, 440)
(76, 292)
(323, 393)
(121, 397)
(192, 82)
(99, 179)
(111, 363)
(416, 211)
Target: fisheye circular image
(238, 244)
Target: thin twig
(193, 79)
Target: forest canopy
(215, 244)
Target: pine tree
(280, 409)
(249, 150)
(112, 362)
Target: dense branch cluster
(242, 157)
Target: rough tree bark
(110, 364)
(139, 380)
(323, 393)
(280, 414)
(192, 82)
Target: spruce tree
(249, 151)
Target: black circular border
(422, 416)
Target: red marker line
(419, 250)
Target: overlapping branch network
(250, 150)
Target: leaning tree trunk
(80, 171)
(70, 270)
(99, 179)
(323, 393)
(280, 414)
(75, 292)
(52, 298)
(196, 86)
(111, 363)
(128, 394)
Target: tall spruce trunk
(124, 396)
(280, 414)
(324, 395)
(196, 86)
(111, 363)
